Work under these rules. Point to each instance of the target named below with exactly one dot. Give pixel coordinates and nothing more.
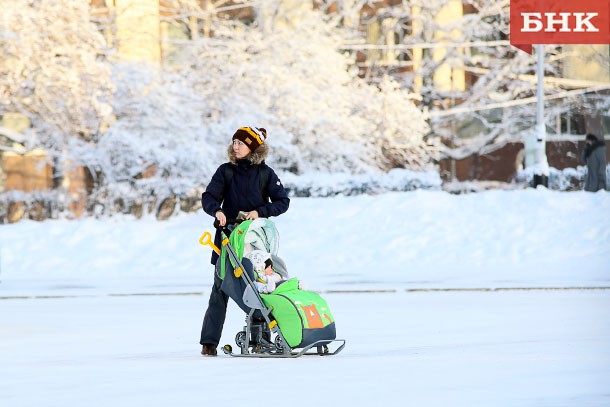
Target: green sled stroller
(286, 323)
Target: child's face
(268, 271)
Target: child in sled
(266, 277)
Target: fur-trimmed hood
(256, 157)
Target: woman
(247, 184)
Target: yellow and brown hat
(253, 137)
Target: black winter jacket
(243, 194)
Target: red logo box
(559, 22)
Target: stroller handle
(229, 222)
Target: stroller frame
(262, 347)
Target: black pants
(215, 315)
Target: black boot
(208, 350)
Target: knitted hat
(253, 137)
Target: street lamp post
(541, 165)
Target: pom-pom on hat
(253, 137)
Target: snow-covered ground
(393, 241)
(451, 327)
(538, 348)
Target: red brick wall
(501, 165)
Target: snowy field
(535, 348)
(499, 298)
(394, 241)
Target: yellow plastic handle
(206, 240)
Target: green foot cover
(303, 316)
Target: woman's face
(240, 149)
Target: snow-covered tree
(173, 125)
(320, 115)
(426, 44)
(53, 70)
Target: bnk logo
(565, 22)
(559, 22)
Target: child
(266, 278)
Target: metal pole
(540, 92)
(541, 172)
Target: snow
(399, 240)
(443, 299)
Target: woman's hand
(252, 215)
(222, 219)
